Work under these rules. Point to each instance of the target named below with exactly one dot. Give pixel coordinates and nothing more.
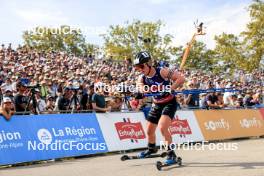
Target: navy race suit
(164, 103)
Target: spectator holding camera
(7, 108)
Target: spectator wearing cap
(20, 99)
(7, 108)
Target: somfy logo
(44, 136)
(214, 125)
(250, 123)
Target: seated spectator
(21, 101)
(7, 108)
(98, 101)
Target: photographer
(7, 108)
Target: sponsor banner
(123, 131)
(42, 137)
(261, 110)
(228, 124)
(185, 128)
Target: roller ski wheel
(126, 157)
(160, 165)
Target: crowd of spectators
(64, 82)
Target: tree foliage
(64, 39)
(125, 40)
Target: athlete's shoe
(147, 153)
(171, 158)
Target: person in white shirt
(41, 104)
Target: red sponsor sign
(128, 130)
(180, 127)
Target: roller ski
(150, 153)
(171, 160)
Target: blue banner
(42, 137)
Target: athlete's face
(143, 68)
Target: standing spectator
(90, 95)
(7, 85)
(211, 101)
(44, 89)
(83, 98)
(65, 100)
(21, 100)
(8, 93)
(98, 100)
(116, 103)
(41, 104)
(191, 100)
(248, 99)
(50, 104)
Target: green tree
(200, 57)
(64, 39)
(229, 52)
(254, 35)
(244, 51)
(125, 41)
